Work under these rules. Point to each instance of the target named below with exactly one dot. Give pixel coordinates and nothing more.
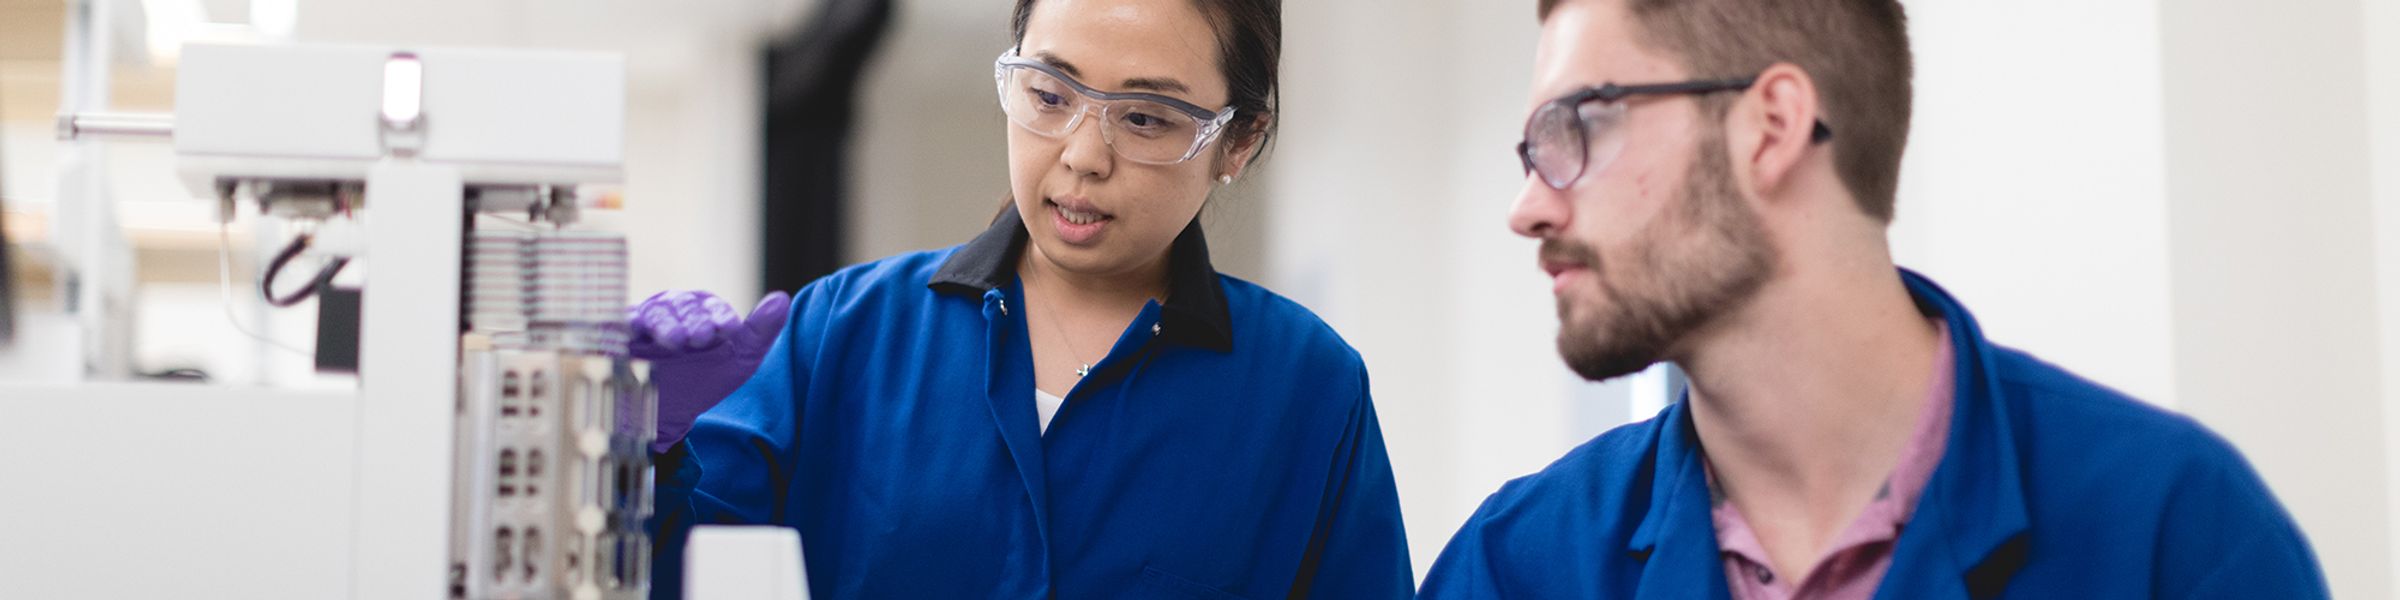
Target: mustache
(1561, 250)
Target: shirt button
(1153, 329)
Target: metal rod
(74, 126)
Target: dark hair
(1249, 51)
(1856, 50)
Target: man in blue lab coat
(1711, 181)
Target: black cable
(324, 278)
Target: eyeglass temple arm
(1817, 134)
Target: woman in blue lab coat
(1073, 404)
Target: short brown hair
(1856, 50)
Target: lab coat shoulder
(867, 298)
(2176, 497)
(1280, 333)
(1579, 510)
(871, 289)
(1594, 483)
(876, 307)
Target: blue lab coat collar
(1194, 313)
(1968, 527)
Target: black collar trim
(1194, 314)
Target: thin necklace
(1082, 368)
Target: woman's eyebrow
(1060, 63)
(1154, 84)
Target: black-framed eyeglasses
(1584, 130)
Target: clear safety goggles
(1142, 127)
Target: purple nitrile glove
(700, 351)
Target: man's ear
(1775, 121)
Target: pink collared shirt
(1860, 554)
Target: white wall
(2382, 34)
(2034, 188)
(2273, 260)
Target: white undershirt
(1045, 406)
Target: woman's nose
(1086, 152)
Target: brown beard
(1702, 261)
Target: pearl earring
(1225, 179)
